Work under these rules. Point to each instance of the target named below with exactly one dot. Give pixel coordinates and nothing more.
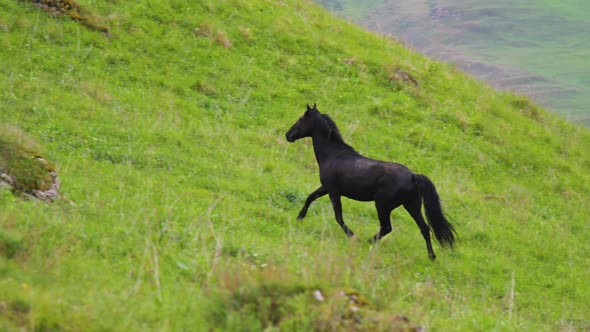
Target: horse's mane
(333, 132)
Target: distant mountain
(537, 48)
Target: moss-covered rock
(23, 170)
(349, 310)
(273, 305)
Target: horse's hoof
(432, 257)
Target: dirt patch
(73, 10)
(401, 76)
(15, 311)
(207, 30)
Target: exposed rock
(46, 189)
(318, 295)
(25, 173)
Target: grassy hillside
(169, 140)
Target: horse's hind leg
(384, 213)
(414, 208)
(338, 213)
(321, 191)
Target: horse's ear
(312, 109)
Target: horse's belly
(363, 197)
(356, 190)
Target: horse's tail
(442, 228)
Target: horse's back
(362, 178)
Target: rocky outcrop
(45, 188)
(25, 173)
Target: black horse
(344, 172)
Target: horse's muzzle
(289, 138)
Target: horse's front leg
(321, 191)
(338, 213)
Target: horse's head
(303, 126)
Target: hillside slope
(169, 140)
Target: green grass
(169, 140)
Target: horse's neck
(324, 148)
